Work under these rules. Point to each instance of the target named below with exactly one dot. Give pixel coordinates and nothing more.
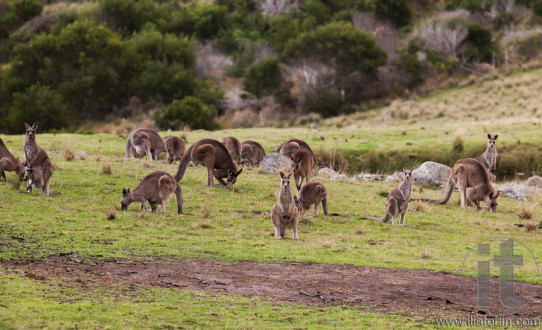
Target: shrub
(458, 145)
(37, 103)
(27, 9)
(480, 47)
(263, 77)
(188, 112)
(208, 19)
(131, 15)
(537, 7)
(476, 5)
(397, 11)
(327, 104)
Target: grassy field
(85, 221)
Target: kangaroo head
(28, 173)
(491, 201)
(31, 130)
(126, 199)
(246, 155)
(297, 159)
(232, 177)
(491, 141)
(407, 173)
(284, 180)
(298, 204)
(170, 156)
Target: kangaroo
(144, 141)
(472, 179)
(302, 164)
(39, 177)
(252, 153)
(397, 201)
(290, 147)
(489, 157)
(215, 157)
(234, 148)
(34, 155)
(174, 148)
(9, 163)
(284, 213)
(156, 187)
(312, 193)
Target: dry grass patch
(111, 213)
(68, 153)
(525, 212)
(531, 226)
(419, 206)
(107, 168)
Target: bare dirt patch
(419, 293)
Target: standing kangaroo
(473, 180)
(9, 163)
(156, 187)
(215, 157)
(234, 148)
(175, 149)
(252, 153)
(489, 157)
(37, 161)
(284, 213)
(144, 141)
(302, 163)
(398, 199)
(312, 193)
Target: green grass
(77, 221)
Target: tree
(396, 11)
(341, 46)
(190, 111)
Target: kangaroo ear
(496, 136)
(238, 172)
(35, 125)
(289, 175)
(489, 136)
(281, 174)
(404, 169)
(295, 199)
(26, 125)
(498, 193)
(124, 192)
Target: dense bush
(480, 47)
(27, 9)
(537, 7)
(208, 19)
(326, 104)
(188, 112)
(397, 11)
(263, 77)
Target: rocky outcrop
(274, 162)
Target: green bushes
(480, 47)
(208, 19)
(327, 104)
(263, 77)
(27, 9)
(188, 112)
(396, 11)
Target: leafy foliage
(397, 11)
(263, 77)
(188, 112)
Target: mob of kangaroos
(398, 199)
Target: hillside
(224, 63)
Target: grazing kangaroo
(489, 157)
(9, 163)
(174, 148)
(252, 153)
(215, 157)
(39, 176)
(144, 141)
(156, 187)
(290, 147)
(36, 160)
(397, 201)
(234, 148)
(312, 193)
(302, 164)
(472, 179)
(284, 213)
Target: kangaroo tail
(184, 163)
(385, 218)
(450, 185)
(127, 147)
(324, 206)
(179, 198)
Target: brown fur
(489, 157)
(397, 201)
(234, 148)
(174, 148)
(144, 141)
(39, 177)
(9, 163)
(215, 157)
(252, 153)
(289, 147)
(302, 164)
(37, 163)
(156, 187)
(312, 193)
(284, 213)
(473, 181)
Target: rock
(431, 173)
(369, 177)
(395, 177)
(274, 162)
(82, 153)
(332, 174)
(314, 126)
(520, 192)
(534, 181)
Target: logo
(497, 261)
